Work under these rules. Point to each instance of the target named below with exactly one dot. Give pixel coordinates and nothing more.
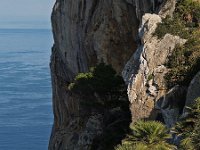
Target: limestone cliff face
(145, 74)
(87, 32)
(145, 71)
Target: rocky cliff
(145, 71)
(88, 32)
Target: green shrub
(103, 82)
(184, 62)
(174, 26)
(150, 77)
(188, 128)
(195, 136)
(102, 90)
(186, 18)
(147, 135)
(82, 82)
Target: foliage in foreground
(147, 135)
(154, 135)
(188, 128)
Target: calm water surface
(25, 89)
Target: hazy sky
(25, 13)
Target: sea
(25, 89)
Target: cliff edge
(122, 34)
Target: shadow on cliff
(170, 107)
(103, 92)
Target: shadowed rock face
(87, 32)
(193, 91)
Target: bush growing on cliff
(82, 82)
(184, 62)
(186, 19)
(147, 135)
(102, 90)
(101, 81)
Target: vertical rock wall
(87, 32)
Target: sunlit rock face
(87, 32)
(145, 71)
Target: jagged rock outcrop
(167, 8)
(145, 74)
(89, 32)
(145, 71)
(86, 33)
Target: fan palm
(138, 146)
(147, 135)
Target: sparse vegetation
(104, 90)
(186, 19)
(146, 135)
(150, 77)
(188, 128)
(184, 62)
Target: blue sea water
(25, 89)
